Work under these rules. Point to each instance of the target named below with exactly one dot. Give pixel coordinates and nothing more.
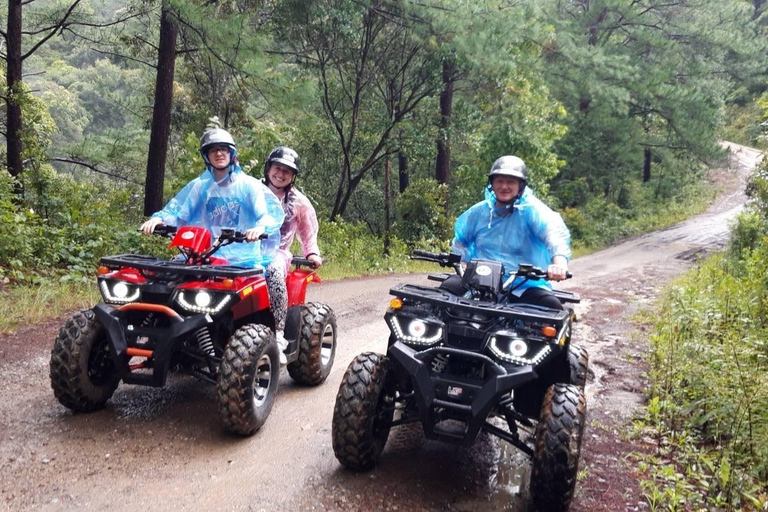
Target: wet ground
(156, 449)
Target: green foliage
(352, 250)
(601, 222)
(421, 216)
(62, 228)
(644, 80)
(742, 124)
(709, 402)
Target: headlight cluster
(118, 292)
(203, 301)
(510, 347)
(416, 331)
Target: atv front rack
(448, 300)
(154, 264)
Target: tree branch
(60, 24)
(94, 169)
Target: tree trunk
(443, 158)
(387, 235)
(161, 115)
(14, 91)
(647, 165)
(402, 171)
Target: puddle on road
(489, 475)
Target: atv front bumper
(440, 396)
(158, 345)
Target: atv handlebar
(444, 259)
(298, 261)
(531, 272)
(231, 235)
(227, 234)
(527, 272)
(164, 231)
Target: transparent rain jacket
(530, 233)
(240, 202)
(300, 222)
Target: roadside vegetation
(397, 108)
(708, 405)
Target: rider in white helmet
(513, 226)
(225, 197)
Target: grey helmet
(217, 137)
(509, 165)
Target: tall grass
(709, 395)
(29, 304)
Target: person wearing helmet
(225, 197)
(281, 168)
(514, 227)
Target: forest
(397, 109)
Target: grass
(31, 304)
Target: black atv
(459, 365)
(194, 314)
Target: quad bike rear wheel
(557, 449)
(363, 412)
(83, 374)
(578, 363)
(248, 377)
(317, 345)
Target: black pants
(537, 296)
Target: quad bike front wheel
(83, 374)
(558, 446)
(317, 345)
(363, 412)
(578, 364)
(248, 377)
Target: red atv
(195, 314)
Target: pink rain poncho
(240, 202)
(301, 222)
(530, 233)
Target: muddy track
(153, 449)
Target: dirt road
(157, 449)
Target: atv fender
(297, 282)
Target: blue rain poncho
(529, 232)
(240, 202)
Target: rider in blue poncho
(513, 226)
(225, 197)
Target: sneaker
(282, 344)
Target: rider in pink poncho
(280, 171)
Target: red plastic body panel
(296, 282)
(257, 300)
(130, 275)
(193, 238)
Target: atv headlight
(118, 292)
(415, 331)
(510, 347)
(203, 301)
